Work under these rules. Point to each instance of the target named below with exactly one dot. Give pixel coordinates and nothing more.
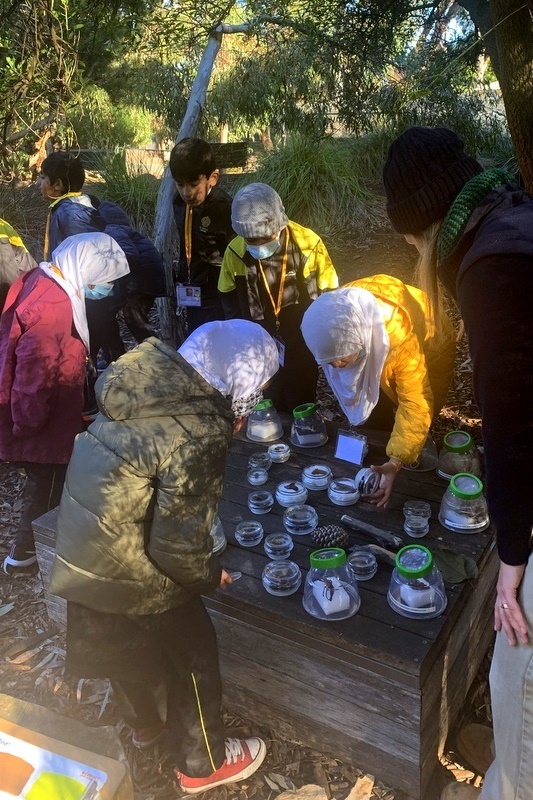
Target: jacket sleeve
(69, 219)
(188, 492)
(38, 356)
(415, 401)
(319, 272)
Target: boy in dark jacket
(202, 211)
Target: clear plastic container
(366, 481)
(330, 590)
(291, 493)
(427, 460)
(363, 563)
(260, 502)
(463, 508)
(257, 476)
(416, 513)
(278, 546)
(279, 453)
(281, 578)
(316, 477)
(218, 536)
(308, 427)
(264, 424)
(249, 533)
(300, 520)
(343, 492)
(260, 460)
(458, 454)
(416, 587)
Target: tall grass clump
(24, 209)
(318, 185)
(132, 188)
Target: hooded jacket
(490, 273)
(418, 367)
(142, 488)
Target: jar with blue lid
(416, 587)
(330, 590)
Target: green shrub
(134, 190)
(100, 123)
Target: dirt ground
(36, 673)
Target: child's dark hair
(65, 167)
(191, 158)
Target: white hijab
(86, 258)
(237, 357)
(338, 324)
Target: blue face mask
(98, 291)
(263, 250)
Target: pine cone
(330, 536)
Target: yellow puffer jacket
(419, 366)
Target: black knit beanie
(426, 168)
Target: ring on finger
(504, 606)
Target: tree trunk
(514, 36)
(164, 236)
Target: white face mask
(263, 250)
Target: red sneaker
(243, 757)
(145, 737)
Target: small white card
(188, 295)
(280, 344)
(351, 447)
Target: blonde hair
(426, 272)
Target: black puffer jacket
(490, 273)
(142, 488)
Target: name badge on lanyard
(280, 344)
(188, 295)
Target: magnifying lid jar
(416, 513)
(300, 520)
(363, 563)
(257, 476)
(249, 533)
(330, 590)
(260, 502)
(260, 460)
(463, 508)
(308, 428)
(264, 424)
(342, 492)
(416, 587)
(458, 454)
(278, 546)
(279, 453)
(218, 536)
(281, 578)
(316, 477)
(366, 481)
(291, 493)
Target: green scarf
(464, 204)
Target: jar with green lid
(264, 424)
(308, 428)
(458, 454)
(330, 591)
(416, 587)
(463, 508)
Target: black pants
(42, 492)
(211, 310)
(185, 643)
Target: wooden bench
(378, 689)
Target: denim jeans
(510, 776)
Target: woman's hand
(225, 580)
(388, 472)
(508, 614)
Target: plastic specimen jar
(308, 428)
(366, 481)
(458, 454)
(330, 590)
(218, 536)
(417, 514)
(343, 492)
(260, 502)
(363, 563)
(260, 460)
(316, 477)
(463, 507)
(249, 533)
(264, 424)
(278, 546)
(279, 453)
(291, 493)
(416, 587)
(300, 520)
(257, 476)
(282, 578)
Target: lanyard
(46, 255)
(188, 240)
(276, 307)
